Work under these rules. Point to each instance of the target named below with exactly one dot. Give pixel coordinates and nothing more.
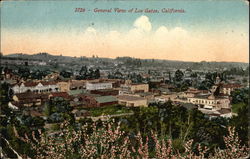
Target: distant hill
(42, 56)
(129, 60)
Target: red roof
(30, 95)
(30, 84)
(60, 94)
(33, 84)
(48, 83)
(231, 85)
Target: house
(225, 88)
(132, 101)
(77, 84)
(134, 88)
(36, 87)
(115, 82)
(165, 98)
(63, 86)
(229, 87)
(98, 85)
(139, 88)
(29, 99)
(63, 95)
(191, 92)
(214, 102)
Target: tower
(217, 80)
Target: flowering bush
(109, 141)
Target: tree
(66, 74)
(118, 74)
(59, 109)
(241, 123)
(38, 74)
(179, 76)
(186, 84)
(240, 95)
(194, 75)
(83, 71)
(6, 94)
(24, 72)
(60, 105)
(97, 74)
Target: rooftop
(30, 95)
(106, 99)
(60, 94)
(130, 98)
(76, 92)
(224, 111)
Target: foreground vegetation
(158, 131)
(110, 142)
(109, 110)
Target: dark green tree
(24, 72)
(97, 74)
(179, 76)
(66, 74)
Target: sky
(208, 30)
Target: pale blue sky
(211, 30)
(40, 15)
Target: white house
(37, 87)
(98, 85)
(214, 103)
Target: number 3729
(80, 9)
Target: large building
(64, 86)
(36, 87)
(134, 88)
(28, 99)
(215, 101)
(94, 100)
(77, 84)
(210, 102)
(226, 88)
(98, 85)
(132, 101)
(229, 87)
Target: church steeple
(217, 81)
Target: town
(147, 79)
(45, 90)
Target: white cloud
(162, 30)
(176, 32)
(113, 34)
(91, 31)
(139, 41)
(143, 23)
